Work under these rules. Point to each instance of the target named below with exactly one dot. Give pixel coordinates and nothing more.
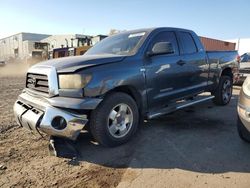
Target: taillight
(238, 59)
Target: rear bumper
(242, 78)
(243, 74)
(36, 114)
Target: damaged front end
(40, 109)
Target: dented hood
(74, 63)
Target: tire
(116, 128)
(223, 93)
(243, 132)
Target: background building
(70, 45)
(97, 38)
(20, 45)
(242, 45)
(217, 45)
(67, 41)
(66, 45)
(28, 47)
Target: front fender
(114, 76)
(110, 76)
(103, 85)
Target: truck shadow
(202, 139)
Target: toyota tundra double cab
(122, 79)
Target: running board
(179, 105)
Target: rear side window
(187, 43)
(166, 36)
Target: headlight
(73, 81)
(246, 86)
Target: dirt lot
(195, 147)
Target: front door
(165, 75)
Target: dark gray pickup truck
(121, 80)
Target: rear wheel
(115, 120)
(223, 92)
(243, 132)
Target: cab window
(187, 43)
(166, 36)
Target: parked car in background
(135, 74)
(2, 63)
(243, 108)
(244, 67)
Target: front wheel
(115, 120)
(223, 93)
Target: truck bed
(223, 59)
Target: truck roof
(158, 28)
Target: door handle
(181, 62)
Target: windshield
(120, 44)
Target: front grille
(37, 82)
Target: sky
(221, 19)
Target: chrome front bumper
(243, 109)
(244, 115)
(36, 115)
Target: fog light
(59, 123)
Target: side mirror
(161, 48)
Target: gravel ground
(195, 147)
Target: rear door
(194, 64)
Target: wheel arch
(132, 92)
(227, 72)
